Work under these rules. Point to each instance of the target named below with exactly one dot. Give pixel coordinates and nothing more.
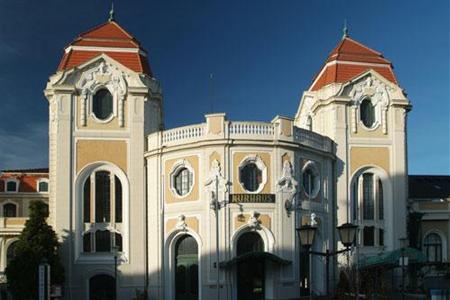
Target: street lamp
(115, 250)
(347, 234)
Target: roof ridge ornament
(345, 30)
(111, 13)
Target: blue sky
(263, 55)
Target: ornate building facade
(212, 208)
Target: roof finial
(111, 12)
(345, 30)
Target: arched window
(43, 186)
(186, 264)
(368, 208)
(9, 210)
(11, 252)
(11, 186)
(249, 242)
(102, 197)
(367, 113)
(102, 105)
(433, 247)
(250, 177)
(251, 271)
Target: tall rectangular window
(368, 199)
(87, 201)
(102, 197)
(368, 236)
(380, 201)
(118, 199)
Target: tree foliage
(36, 243)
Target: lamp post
(115, 250)
(347, 234)
(403, 262)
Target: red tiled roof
(350, 59)
(28, 179)
(116, 43)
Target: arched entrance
(102, 287)
(186, 268)
(251, 272)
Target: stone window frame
(312, 165)
(257, 160)
(91, 104)
(177, 166)
(16, 181)
(39, 181)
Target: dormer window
(102, 105)
(43, 186)
(11, 186)
(367, 113)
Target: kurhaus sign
(252, 198)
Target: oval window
(311, 181)
(183, 181)
(367, 113)
(251, 177)
(102, 106)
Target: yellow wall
(237, 159)
(191, 222)
(242, 219)
(194, 194)
(90, 151)
(363, 156)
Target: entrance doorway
(251, 272)
(186, 272)
(102, 287)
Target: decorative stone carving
(216, 181)
(288, 185)
(181, 224)
(314, 220)
(379, 96)
(253, 221)
(107, 76)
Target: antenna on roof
(345, 30)
(111, 12)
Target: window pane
(380, 201)
(367, 113)
(309, 182)
(102, 197)
(183, 181)
(102, 104)
(368, 201)
(11, 186)
(368, 235)
(381, 237)
(9, 210)
(251, 177)
(118, 197)
(87, 242)
(355, 201)
(118, 241)
(43, 186)
(103, 241)
(87, 201)
(433, 247)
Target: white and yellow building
(122, 186)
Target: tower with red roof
(103, 100)
(355, 99)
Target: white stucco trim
(261, 166)
(81, 257)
